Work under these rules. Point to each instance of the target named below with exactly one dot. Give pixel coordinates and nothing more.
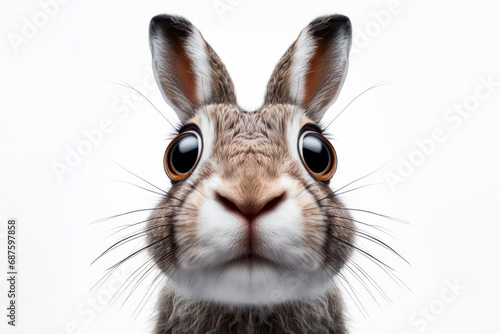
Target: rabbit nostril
(250, 210)
(227, 203)
(272, 204)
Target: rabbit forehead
(258, 139)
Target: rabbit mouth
(249, 259)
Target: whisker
(131, 237)
(130, 212)
(135, 235)
(195, 188)
(124, 286)
(123, 228)
(161, 273)
(137, 176)
(372, 282)
(151, 294)
(108, 273)
(357, 188)
(125, 84)
(352, 271)
(374, 240)
(369, 212)
(356, 299)
(365, 176)
(140, 187)
(377, 85)
(130, 280)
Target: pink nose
(250, 209)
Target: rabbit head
(250, 217)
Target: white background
(61, 82)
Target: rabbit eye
(182, 155)
(318, 155)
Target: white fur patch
(158, 45)
(304, 50)
(241, 285)
(295, 123)
(208, 133)
(196, 50)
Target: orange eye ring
(319, 156)
(182, 155)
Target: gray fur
(182, 316)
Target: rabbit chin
(259, 284)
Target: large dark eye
(182, 155)
(317, 155)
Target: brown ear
(188, 71)
(311, 73)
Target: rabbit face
(250, 218)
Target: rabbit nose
(250, 209)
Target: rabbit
(250, 235)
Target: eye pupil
(185, 154)
(316, 154)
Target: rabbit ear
(312, 71)
(188, 71)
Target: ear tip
(169, 23)
(333, 19)
(160, 20)
(327, 24)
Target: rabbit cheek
(314, 228)
(190, 252)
